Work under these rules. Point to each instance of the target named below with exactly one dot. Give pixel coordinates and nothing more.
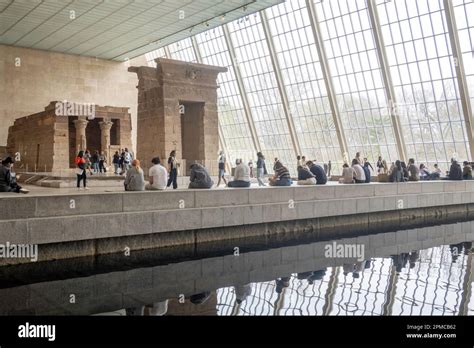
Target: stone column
(105, 127)
(81, 140)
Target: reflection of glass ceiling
(277, 78)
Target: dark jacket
(304, 174)
(396, 176)
(261, 164)
(200, 177)
(467, 172)
(318, 171)
(455, 172)
(5, 179)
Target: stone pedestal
(177, 110)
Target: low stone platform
(71, 224)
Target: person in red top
(81, 170)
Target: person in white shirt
(241, 175)
(359, 174)
(158, 176)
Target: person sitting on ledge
(424, 173)
(413, 171)
(200, 178)
(281, 176)
(241, 175)
(8, 177)
(396, 175)
(157, 175)
(359, 174)
(466, 171)
(455, 171)
(305, 177)
(134, 179)
(318, 171)
(347, 174)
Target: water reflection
(423, 271)
(435, 281)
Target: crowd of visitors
(309, 172)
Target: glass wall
(304, 81)
(232, 118)
(422, 66)
(464, 14)
(352, 56)
(420, 62)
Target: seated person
(436, 172)
(406, 175)
(413, 171)
(241, 175)
(455, 171)
(8, 177)
(466, 171)
(396, 175)
(347, 174)
(134, 179)
(200, 178)
(359, 174)
(318, 171)
(305, 177)
(281, 176)
(158, 176)
(424, 173)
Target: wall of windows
(357, 77)
(255, 65)
(232, 118)
(464, 15)
(424, 77)
(419, 59)
(304, 80)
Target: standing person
(222, 161)
(359, 174)
(359, 159)
(380, 166)
(121, 161)
(281, 176)
(199, 178)
(261, 169)
(81, 166)
(242, 175)
(318, 171)
(329, 168)
(116, 162)
(134, 179)
(298, 161)
(95, 162)
(250, 164)
(8, 177)
(173, 170)
(384, 167)
(367, 172)
(367, 164)
(87, 158)
(158, 176)
(127, 160)
(102, 162)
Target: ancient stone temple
(49, 140)
(177, 110)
